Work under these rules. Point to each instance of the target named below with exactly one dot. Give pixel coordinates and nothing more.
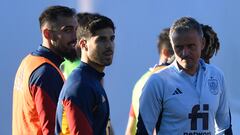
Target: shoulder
(46, 68)
(77, 84)
(154, 83)
(161, 78)
(46, 79)
(45, 73)
(214, 70)
(140, 84)
(164, 73)
(143, 78)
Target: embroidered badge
(213, 85)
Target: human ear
(165, 52)
(83, 44)
(46, 33)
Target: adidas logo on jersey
(177, 91)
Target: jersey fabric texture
(189, 104)
(137, 91)
(83, 107)
(36, 89)
(67, 67)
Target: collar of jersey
(47, 53)
(91, 70)
(201, 63)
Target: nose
(109, 44)
(74, 36)
(185, 51)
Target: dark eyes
(191, 46)
(112, 38)
(104, 39)
(180, 47)
(101, 39)
(68, 30)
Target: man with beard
(68, 66)
(83, 106)
(38, 80)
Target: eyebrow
(184, 44)
(64, 27)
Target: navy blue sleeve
(45, 85)
(79, 102)
(48, 79)
(228, 131)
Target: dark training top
(83, 106)
(49, 82)
(36, 89)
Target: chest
(101, 107)
(182, 96)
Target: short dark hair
(212, 44)
(52, 13)
(164, 41)
(82, 18)
(88, 24)
(185, 24)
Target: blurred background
(138, 24)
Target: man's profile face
(64, 37)
(187, 48)
(101, 47)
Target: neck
(47, 45)
(94, 65)
(191, 71)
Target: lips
(108, 53)
(187, 58)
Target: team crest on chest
(213, 85)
